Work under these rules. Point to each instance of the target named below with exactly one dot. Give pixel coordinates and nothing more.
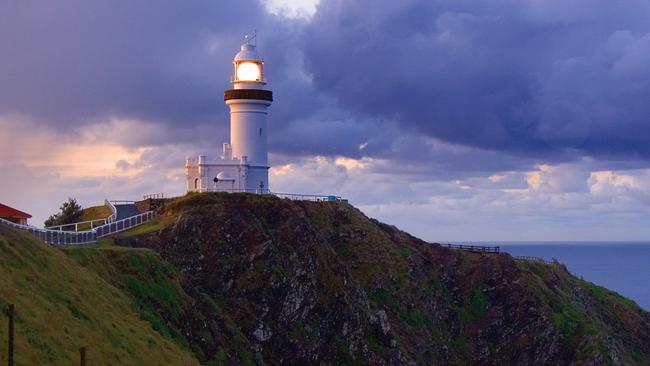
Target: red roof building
(13, 215)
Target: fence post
(10, 355)
(82, 356)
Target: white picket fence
(58, 237)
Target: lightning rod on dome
(250, 37)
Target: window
(196, 183)
(260, 131)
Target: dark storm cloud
(536, 78)
(545, 80)
(71, 61)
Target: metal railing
(111, 206)
(474, 248)
(76, 225)
(58, 237)
(111, 218)
(308, 197)
(153, 196)
(533, 259)
(124, 224)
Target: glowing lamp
(249, 71)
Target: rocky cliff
(272, 281)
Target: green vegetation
(149, 281)
(596, 314)
(148, 227)
(70, 211)
(95, 213)
(385, 298)
(568, 321)
(418, 319)
(60, 306)
(343, 250)
(478, 303)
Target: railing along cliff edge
(473, 248)
(534, 259)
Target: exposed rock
(262, 333)
(381, 319)
(290, 282)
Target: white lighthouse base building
(225, 174)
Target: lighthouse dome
(248, 52)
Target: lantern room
(248, 67)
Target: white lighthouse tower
(243, 165)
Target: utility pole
(10, 314)
(82, 356)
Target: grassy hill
(277, 281)
(61, 306)
(95, 213)
(239, 279)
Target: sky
(455, 120)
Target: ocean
(623, 267)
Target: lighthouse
(243, 165)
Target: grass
(95, 213)
(417, 318)
(568, 321)
(61, 306)
(478, 303)
(385, 298)
(148, 227)
(150, 282)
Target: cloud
(528, 78)
(453, 119)
(291, 8)
(42, 166)
(74, 61)
(561, 178)
(564, 202)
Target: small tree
(71, 212)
